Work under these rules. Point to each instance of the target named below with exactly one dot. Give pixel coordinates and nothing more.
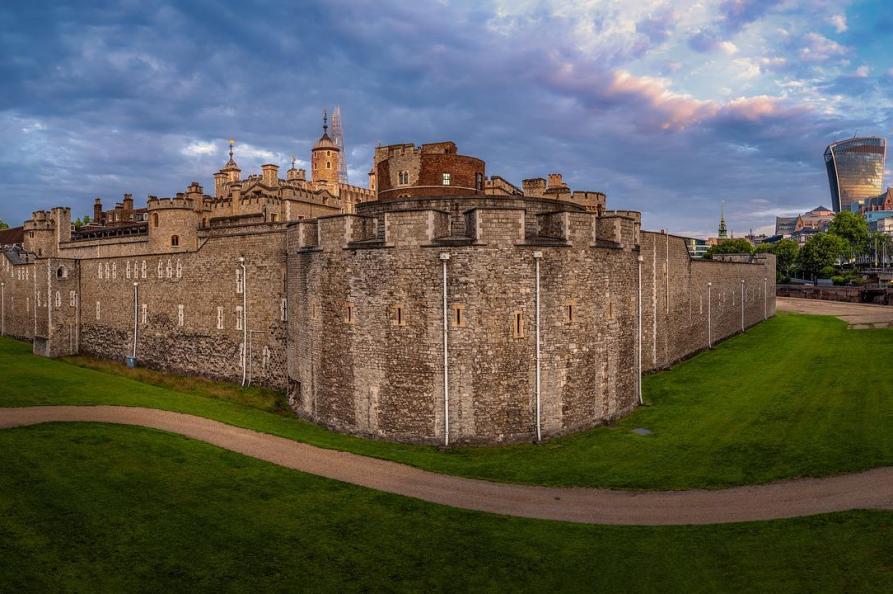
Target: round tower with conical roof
(325, 158)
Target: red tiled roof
(12, 236)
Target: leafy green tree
(732, 246)
(852, 228)
(787, 252)
(820, 252)
(3, 225)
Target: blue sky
(670, 107)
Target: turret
(97, 211)
(325, 157)
(173, 223)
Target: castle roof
(12, 236)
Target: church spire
(723, 232)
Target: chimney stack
(97, 211)
(555, 181)
(270, 175)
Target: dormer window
(404, 178)
(446, 179)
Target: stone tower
(325, 157)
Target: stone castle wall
(366, 318)
(346, 313)
(190, 313)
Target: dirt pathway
(871, 489)
(859, 316)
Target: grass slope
(89, 507)
(795, 396)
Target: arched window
(154, 219)
(175, 240)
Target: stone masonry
(348, 310)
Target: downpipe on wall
(765, 310)
(244, 320)
(639, 334)
(136, 299)
(709, 320)
(539, 432)
(2, 309)
(742, 305)
(444, 258)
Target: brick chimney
(270, 175)
(97, 211)
(555, 181)
(128, 203)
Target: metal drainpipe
(2, 309)
(709, 329)
(765, 282)
(49, 302)
(742, 305)
(136, 298)
(244, 319)
(539, 432)
(639, 332)
(444, 257)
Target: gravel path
(871, 489)
(859, 316)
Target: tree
(853, 229)
(786, 253)
(3, 225)
(732, 246)
(820, 252)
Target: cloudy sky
(670, 107)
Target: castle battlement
(170, 203)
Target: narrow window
(155, 219)
(348, 313)
(72, 297)
(265, 361)
(179, 269)
(143, 271)
(99, 270)
(398, 315)
(446, 179)
(238, 317)
(175, 240)
(328, 164)
(127, 270)
(479, 181)
(58, 299)
(144, 314)
(159, 272)
(114, 270)
(239, 281)
(518, 325)
(180, 315)
(404, 178)
(98, 310)
(107, 271)
(272, 218)
(458, 318)
(283, 309)
(220, 318)
(569, 312)
(168, 269)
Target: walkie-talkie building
(855, 170)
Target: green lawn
(90, 507)
(795, 396)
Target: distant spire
(294, 160)
(723, 232)
(232, 142)
(325, 121)
(232, 162)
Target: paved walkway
(871, 489)
(859, 316)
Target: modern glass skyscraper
(855, 170)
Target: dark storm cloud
(116, 97)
